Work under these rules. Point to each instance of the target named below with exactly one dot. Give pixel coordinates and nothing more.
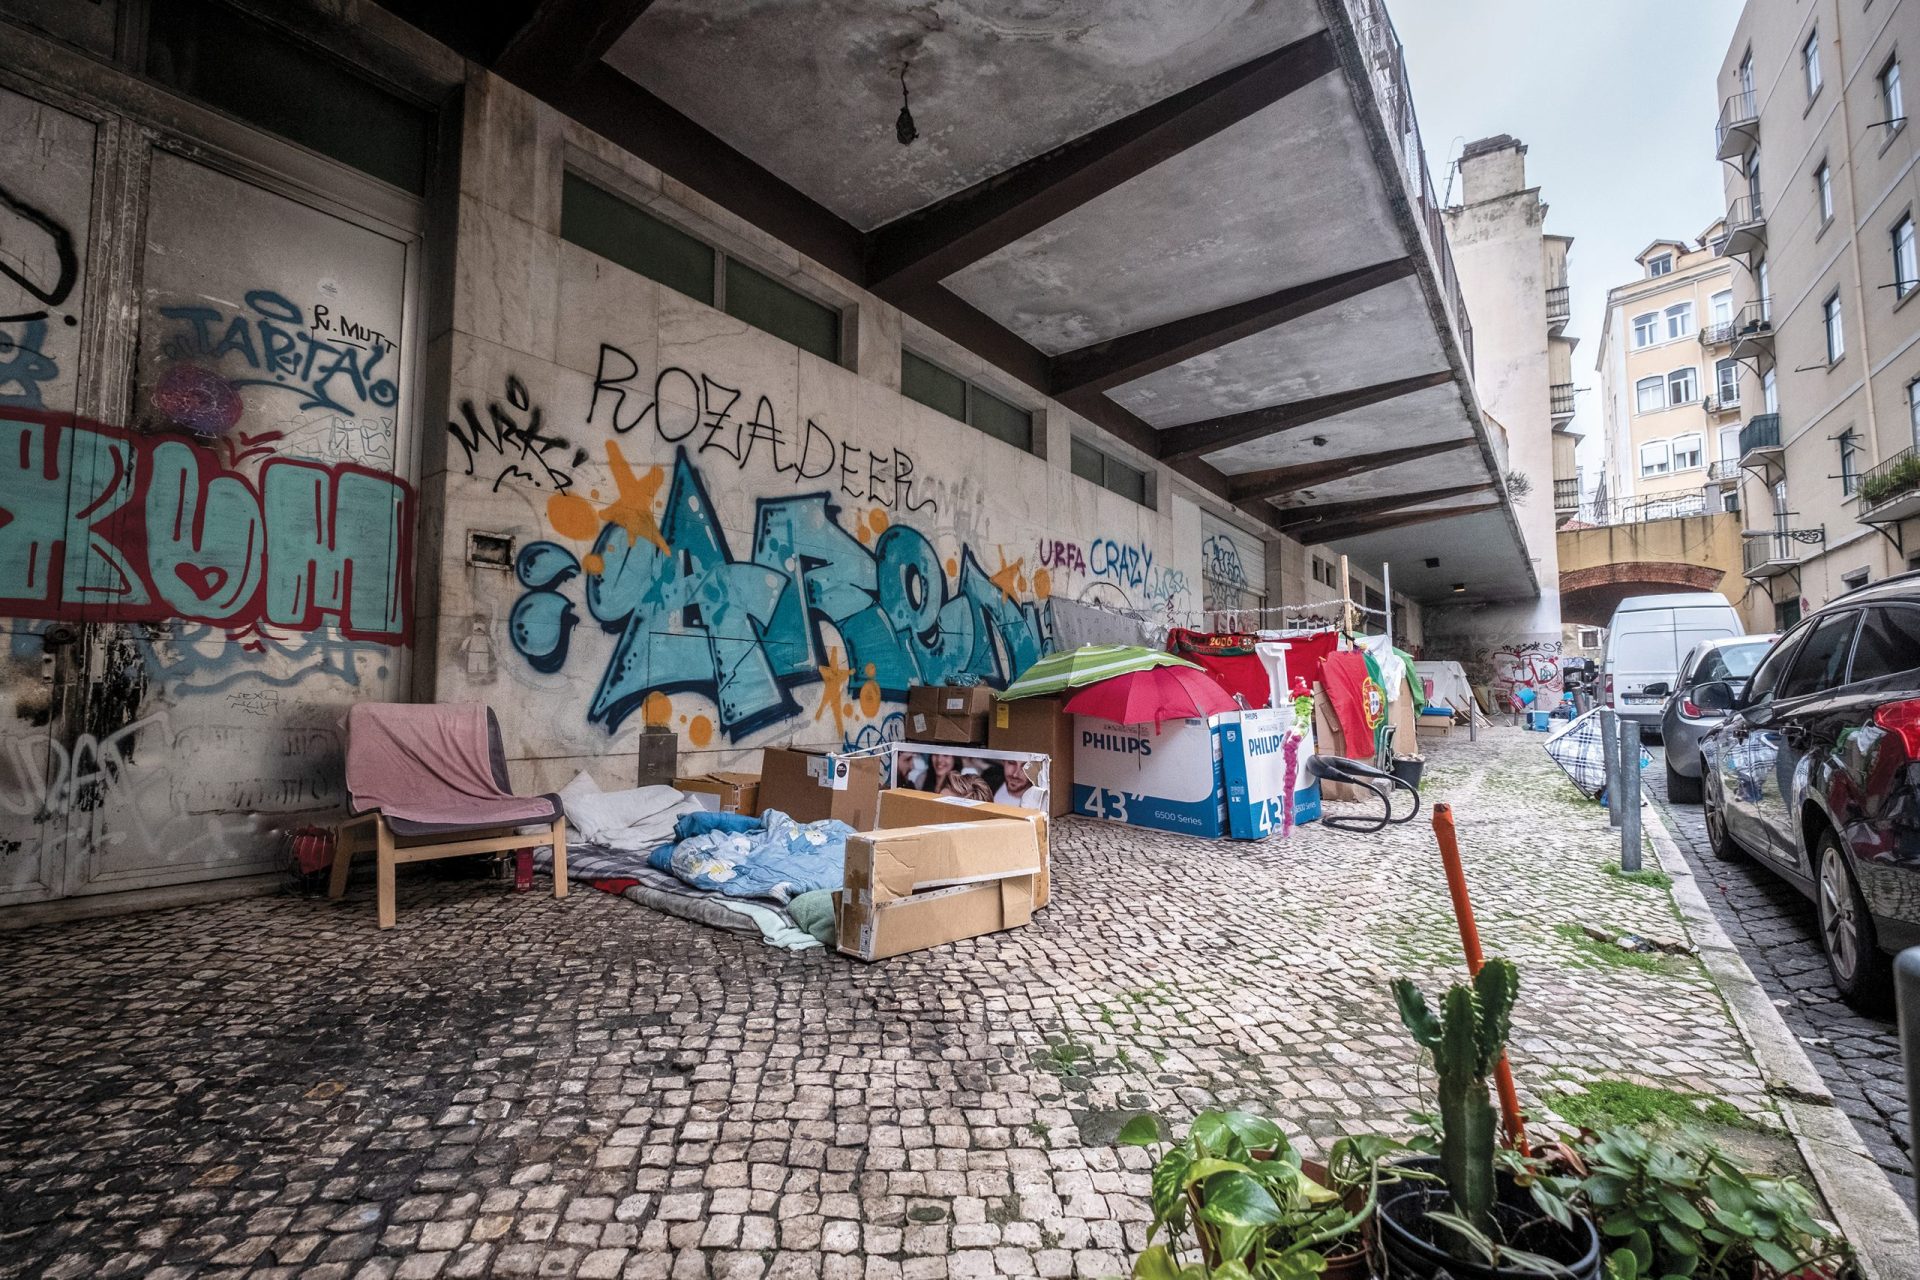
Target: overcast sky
(1615, 100)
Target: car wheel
(1724, 846)
(1682, 789)
(1860, 971)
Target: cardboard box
(1435, 724)
(1040, 725)
(916, 887)
(1326, 733)
(809, 786)
(900, 807)
(1166, 778)
(949, 713)
(1253, 754)
(737, 792)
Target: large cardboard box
(1435, 723)
(900, 807)
(1254, 746)
(1331, 742)
(916, 887)
(1166, 778)
(1042, 725)
(810, 786)
(735, 792)
(955, 714)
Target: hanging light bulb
(903, 127)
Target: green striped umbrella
(1089, 664)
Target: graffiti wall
(193, 590)
(713, 532)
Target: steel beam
(1294, 520)
(1196, 438)
(1304, 475)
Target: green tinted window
(601, 222)
(1088, 462)
(249, 69)
(932, 386)
(1001, 420)
(767, 304)
(1109, 472)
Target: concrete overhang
(1205, 227)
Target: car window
(1889, 642)
(1712, 667)
(1767, 675)
(1740, 659)
(1821, 663)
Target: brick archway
(1588, 596)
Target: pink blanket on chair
(430, 763)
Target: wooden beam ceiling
(1214, 434)
(1106, 365)
(1275, 481)
(934, 242)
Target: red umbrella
(1156, 694)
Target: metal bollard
(1629, 795)
(1610, 749)
(1906, 987)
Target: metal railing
(1721, 404)
(1763, 432)
(1566, 494)
(1559, 304)
(1739, 115)
(1640, 510)
(1387, 67)
(1754, 321)
(1781, 546)
(1561, 394)
(1889, 479)
(1725, 469)
(1716, 335)
(1745, 211)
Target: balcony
(1738, 131)
(1760, 438)
(1726, 471)
(1891, 491)
(1561, 394)
(1722, 404)
(1746, 227)
(1768, 553)
(1716, 335)
(1559, 308)
(1566, 496)
(1753, 330)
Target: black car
(1816, 773)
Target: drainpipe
(1853, 250)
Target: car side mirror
(1659, 689)
(1714, 695)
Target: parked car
(1683, 722)
(1816, 773)
(1645, 641)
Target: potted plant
(1675, 1204)
(1897, 479)
(1478, 1221)
(1235, 1199)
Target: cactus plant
(1466, 1041)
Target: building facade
(520, 360)
(1818, 157)
(1514, 277)
(1669, 386)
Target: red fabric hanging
(1304, 653)
(1358, 701)
(1228, 657)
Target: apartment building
(1821, 194)
(1669, 385)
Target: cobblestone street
(513, 1085)
(1773, 926)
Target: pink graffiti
(1063, 555)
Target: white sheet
(638, 819)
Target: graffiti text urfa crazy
(101, 523)
(689, 616)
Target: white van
(1646, 640)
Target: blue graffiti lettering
(274, 341)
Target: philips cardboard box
(903, 808)
(916, 887)
(1254, 749)
(1167, 779)
(949, 713)
(1039, 725)
(733, 792)
(809, 786)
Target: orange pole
(1470, 942)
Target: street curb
(1876, 1220)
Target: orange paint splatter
(1042, 583)
(870, 696)
(953, 568)
(656, 710)
(834, 676)
(700, 732)
(632, 509)
(1007, 577)
(863, 533)
(572, 516)
(877, 518)
(593, 564)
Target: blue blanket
(771, 856)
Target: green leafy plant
(1674, 1204)
(1232, 1200)
(1900, 477)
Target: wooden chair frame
(370, 831)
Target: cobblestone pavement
(1774, 927)
(513, 1085)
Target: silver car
(1683, 724)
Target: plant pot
(1414, 1248)
(1409, 768)
(1350, 1258)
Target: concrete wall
(1692, 553)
